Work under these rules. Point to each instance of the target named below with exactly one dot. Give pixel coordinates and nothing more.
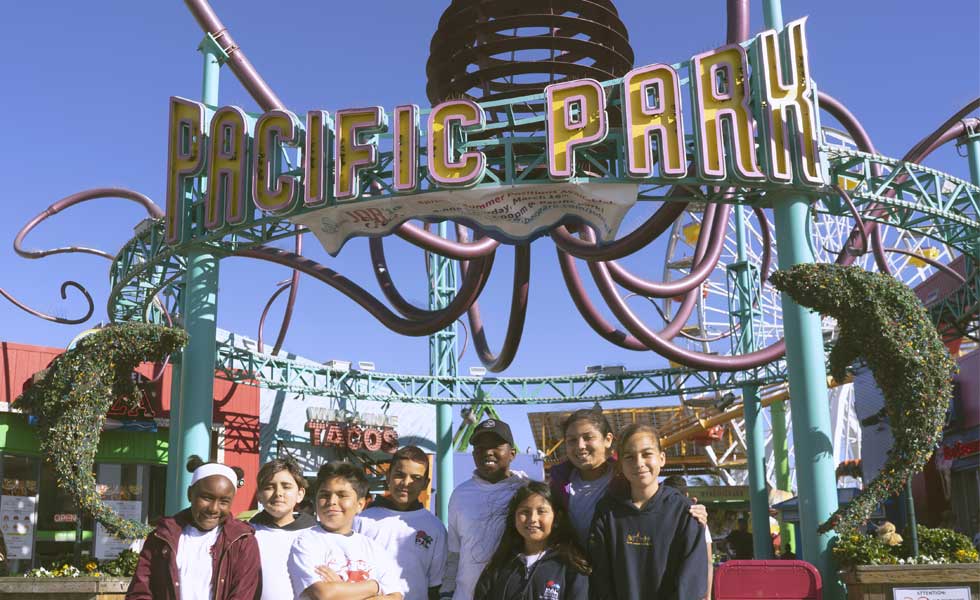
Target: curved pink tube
(69, 201)
(64, 296)
(515, 321)
(470, 288)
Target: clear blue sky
(85, 100)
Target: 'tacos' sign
(748, 125)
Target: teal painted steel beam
(243, 365)
(812, 433)
(190, 432)
(746, 282)
(973, 157)
(443, 367)
(780, 460)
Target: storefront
(40, 523)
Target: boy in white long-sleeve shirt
(478, 508)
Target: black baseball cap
(493, 426)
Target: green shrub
(123, 565)
(936, 546)
(943, 543)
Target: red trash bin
(767, 580)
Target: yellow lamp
(691, 232)
(928, 252)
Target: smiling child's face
(211, 500)
(337, 504)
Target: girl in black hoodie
(538, 557)
(644, 544)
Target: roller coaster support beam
(972, 140)
(190, 429)
(816, 482)
(780, 464)
(812, 435)
(745, 279)
(443, 363)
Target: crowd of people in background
(602, 528)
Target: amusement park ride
(542, 126)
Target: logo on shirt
(637, 539)
(423, 539)
(552, 591)
(349, 570)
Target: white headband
(209, 469)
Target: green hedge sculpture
(882, 321)
(72, 396)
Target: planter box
(63, 588)
(877, 582)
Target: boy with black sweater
(645, 545)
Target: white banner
(17, 525)
(109, 546)
(517, 213)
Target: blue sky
(85, 100)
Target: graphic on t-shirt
(423, 539)
(552, 591)
(638, 539)
(348, 570)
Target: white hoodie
(477, 516)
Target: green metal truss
(247, 366)
(908, 196)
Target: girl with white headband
(199, 553)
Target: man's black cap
(493, 426)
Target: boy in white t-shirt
(478, 508)
(281, 487)
(400, 523)
(331, 560)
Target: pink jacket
(236, 570)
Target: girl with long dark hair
(538, 555)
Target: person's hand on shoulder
(699, 512)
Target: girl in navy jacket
(644, 544)
(538, 557)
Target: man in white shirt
(330, 560)
(478, 508)
(400, 523)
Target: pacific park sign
(752, 114)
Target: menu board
(108, 546)
(17, 525)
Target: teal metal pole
(972, 139)
(754, 435)
(443, 364)
(812, 434)
(173, 500)
(444, 457)
(780, 458)
(190, 429)
(910, 520)
(973, 155)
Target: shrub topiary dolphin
(71, 398)
(882, 321)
